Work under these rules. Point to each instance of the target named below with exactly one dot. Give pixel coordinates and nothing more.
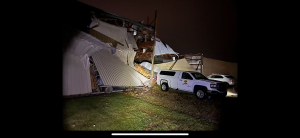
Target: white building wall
(76, 73)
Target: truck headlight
(213, 85)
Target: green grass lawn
(121, 112)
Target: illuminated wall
(211, 66)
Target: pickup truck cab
(191, 81)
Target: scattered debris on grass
(180, 101)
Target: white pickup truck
(192, 82)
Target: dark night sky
(187, 26)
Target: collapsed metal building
(101, 50)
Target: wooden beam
(201, 63)
(145, 47)
(190, 55)
(106, 19)
(151, 78)
(137, 35)
(146, 36)
(152, 22)
(148, 43)
(193, 59)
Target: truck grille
(221, 87)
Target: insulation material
(76, 74)
(143, 70)
(114, 72)
(181, 64)
(149, 66)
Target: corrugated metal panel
(131, 56)
(76, 78)
(76, 74)
(115, 32)
(181, 64)
(195, 66)
(125, 53)
(131, 40)
(131, 52)
(122, 55)
(196, 57)
(114, 72)
(104, 38)
(194, 61)
(160, 49)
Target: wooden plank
(201, 63)
(116, 22)
(146, 47)
(148, 43)
(137, 35)
(106, 19)
(191, 55)
(92, 79)
(155, 31)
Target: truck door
(185, 82)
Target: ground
(144, 109)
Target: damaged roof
(83, 13)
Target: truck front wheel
(164, 87)
(200, 94)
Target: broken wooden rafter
(106, 19)
(145, 44)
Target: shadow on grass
(123, 112)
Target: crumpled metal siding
(114, 72)
(161, 49)
(115, 32)
(131, 40)
(124, 53)
(76, 74)
(131, 55)
(76, 78)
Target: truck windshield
(198, 76)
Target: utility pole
(151, 78)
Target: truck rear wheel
(164, 87)
(200, 94)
